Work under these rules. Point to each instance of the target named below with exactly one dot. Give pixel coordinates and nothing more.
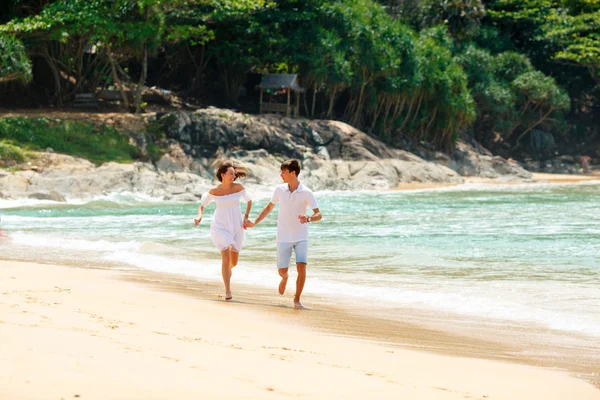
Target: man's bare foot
(298, 305)
(282, 284)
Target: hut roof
(280, 81)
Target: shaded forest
(522, 77)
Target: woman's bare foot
(298, 305)
(228, 296)
(282, 284)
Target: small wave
(208, 269)
(24, 203)
(114, 200)
(73, 244)
(321, 284)
(473, 306)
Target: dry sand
(70, 332)
(566, 178)
(537, 177)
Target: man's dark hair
(291, 166)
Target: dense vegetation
(514, 74)
(81, 139)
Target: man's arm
(263, 214)
(313, 218)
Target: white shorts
(284, 253)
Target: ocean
(523, 258)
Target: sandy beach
(537, 177)
(68, 332)
(543, 177)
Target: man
(292, 225)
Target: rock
(138, 139)
(467, 161)
(54, 196)
(335, 156)
(323, 152)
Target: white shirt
(289, 228)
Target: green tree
(512, 97)
(79, 39)
(14, 62)
(577, 31)
(462, 17)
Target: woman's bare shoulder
(216, 190)
(221, 191)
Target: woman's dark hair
(240, 171)
(291, 166)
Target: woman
(227, 226)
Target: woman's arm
(248, 208)
(247, 222)
(206, 199)
(198, 219)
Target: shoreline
(61, 315)
(537, 178)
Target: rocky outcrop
(335, 156)
(470, 161)
(473, 160)
(74, 180)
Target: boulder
(54, 196)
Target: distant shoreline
(537, 178)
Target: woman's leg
(234, 258)
(226, 272)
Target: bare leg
(234, 258)
(300, 284)
(226, 272)
(283, 272)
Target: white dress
(226, 228)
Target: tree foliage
(401, 70)
(14, 62)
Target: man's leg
(283, 272)
(300, 284)
(284, 253)
(301, 250)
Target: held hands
(248, 224)
(303, 219)
(197, 220)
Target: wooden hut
(276, 85)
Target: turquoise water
(525, 256)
